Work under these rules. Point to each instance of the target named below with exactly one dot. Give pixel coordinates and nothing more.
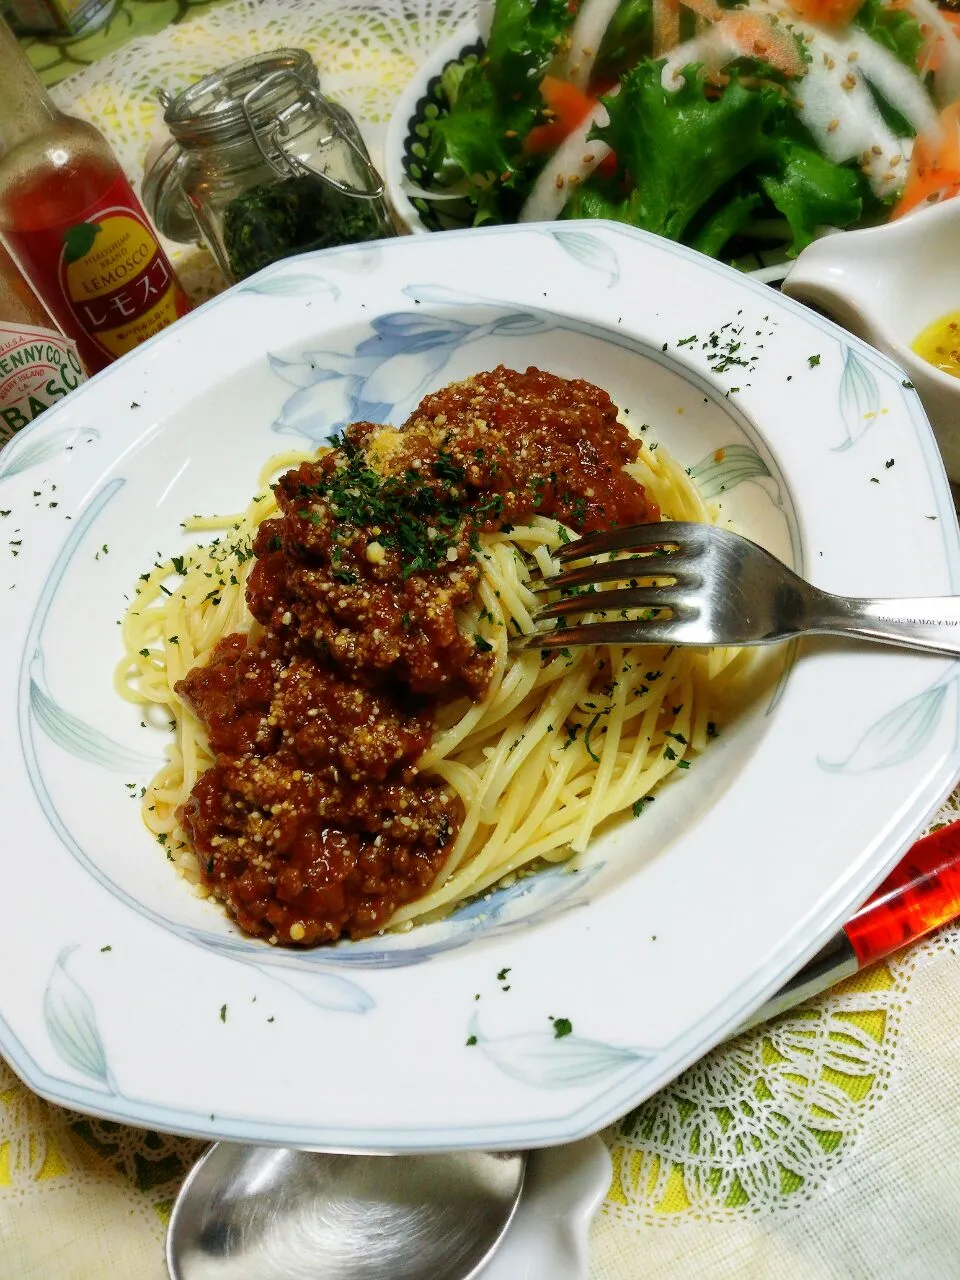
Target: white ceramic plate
(137, 1001)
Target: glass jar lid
(247, 96)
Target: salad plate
(743, 130)
(555, 1003)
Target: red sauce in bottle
(84, 241)
(50, 197)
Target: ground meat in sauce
(314, 822)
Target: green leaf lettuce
(698, 164)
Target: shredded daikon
(586, 36)
(847, 126)
(894, 82)
(572, 163)
(712, 49)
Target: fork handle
(931, 623)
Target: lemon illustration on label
(117, 280)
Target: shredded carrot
(829, 13)
(543, 138)
(568, 106)
(934, 172)
(757, 36)
(930, 56)
(706, 9)
(666, 26)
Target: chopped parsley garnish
(418, 519)
(223, 1013)
(604, 711)
(578, 510)
(813, 361)
(446, 469)
(471, 1040)
(561, 1027)
(483, 645)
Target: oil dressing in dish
(939, 344)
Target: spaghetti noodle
(446, 762)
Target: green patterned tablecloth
(55, 59)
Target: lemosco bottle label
(104, 275)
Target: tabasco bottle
(72, 221)
(38, 365)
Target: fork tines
(683, 534)
(665, 552)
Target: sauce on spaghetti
(314, 821)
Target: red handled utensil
(921, 893)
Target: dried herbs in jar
(267, 223)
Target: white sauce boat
(887, 284)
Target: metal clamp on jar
(264, 166)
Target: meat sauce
(314, 821)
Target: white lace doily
(365, 51)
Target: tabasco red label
(37, 368)
(103, 275)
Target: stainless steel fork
(724, 590)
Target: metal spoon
(262, 1213)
